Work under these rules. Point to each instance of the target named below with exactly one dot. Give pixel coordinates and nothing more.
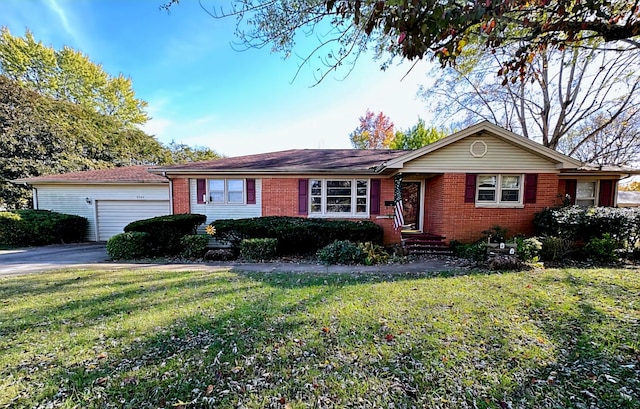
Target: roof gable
(485, 128)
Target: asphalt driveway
(38, 259)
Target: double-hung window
(499, 189)
(226, 191)
(586, 193)
(339, 197)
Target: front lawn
(141, 339)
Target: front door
(411, 204)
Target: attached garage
(113, 215)
(109, 198)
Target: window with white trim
(499, 189)
(226, 191)
(339, 197)
(586, 193)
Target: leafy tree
(414, 29)
(181, 153)
(374, 132)
(633, 186)
(581, 101)
(40, 135)
(416, 137)
(69, 75)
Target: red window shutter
(530, 187)
(201, 190)
(470, 188)
(303, 196)
(571, 188)
(374, 197)
(251, 191)
(605, 198)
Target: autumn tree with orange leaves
(374, 132)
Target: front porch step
(424, 243)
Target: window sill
(500, 205)
(338, 216)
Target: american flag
(398, 217)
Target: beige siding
(72, 199)
(225, 211)
(500, 156)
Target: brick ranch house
(456, 187)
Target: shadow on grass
(263, 340)
(597, 338)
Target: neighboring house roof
(126, 174)
(293, 161)
(562, 161)
(628, 198)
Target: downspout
(170, 192)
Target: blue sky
(202, 92)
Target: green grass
(143, 339)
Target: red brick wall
(181, 196)
(445, 211)
(457, 220)
(280, 198)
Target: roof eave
(282, 171)
(85, 182)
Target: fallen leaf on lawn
(130, 380)
(389, 337)
(102, 381)
(325, 330)
(209, 390)
(102, 355)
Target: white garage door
(113, 215)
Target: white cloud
(63, 16)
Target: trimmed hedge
(128, 246)
(258, 249)
(585, 223)
(194, 245)
(41, 227)
(165, 232)
(296, 235)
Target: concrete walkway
(35, 260)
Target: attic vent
(478, 149)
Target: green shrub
(128, 246)
(373, 253)
(582, 224)
(476, 251)
(194, 245)
(601, 249)
(297, 235)
(258, 249)
(11, 229)
(165, 232)
(40, 227)
(496, 234)
(341, 252)
(528, 249)
(555, 248)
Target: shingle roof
(127, 174)
(294, 160)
